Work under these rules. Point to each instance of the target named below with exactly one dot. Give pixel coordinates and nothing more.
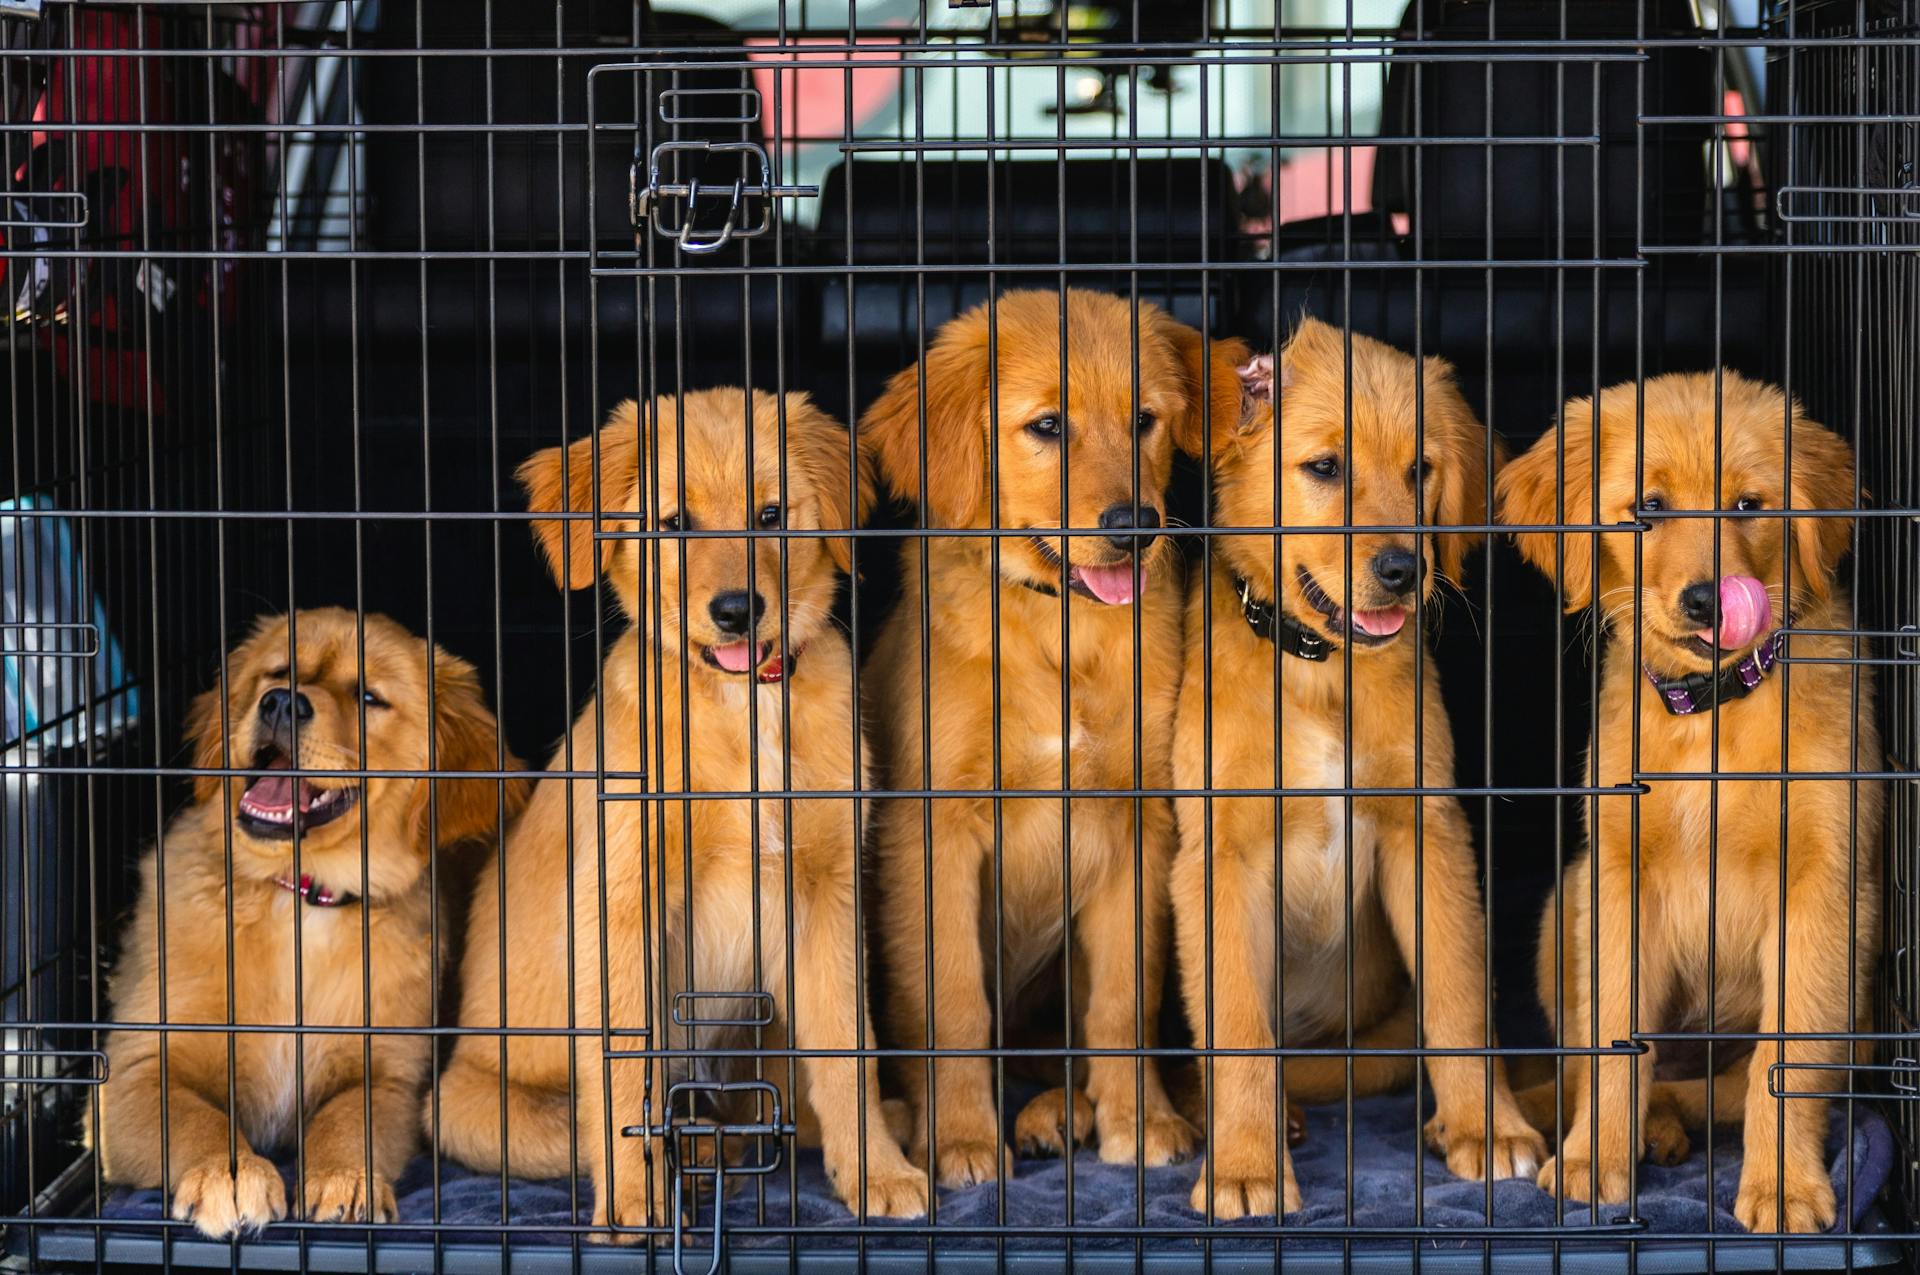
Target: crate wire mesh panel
(303, 291)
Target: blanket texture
(1380, 1194)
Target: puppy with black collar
(1304, 663)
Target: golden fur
(1122, 674)
(694, 862)
(1236, 671)
(401, 829)
(1832, 852)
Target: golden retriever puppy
(1333, 706)
(264, 871)
(748, 685)
(1083, 634)
(1702, 615)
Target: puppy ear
(955, 373)
(1822, 479)
(267, 637)
(466, 737)
(1467, 474)
(203, 736)
(821, 455)
(561, 478)
(1213, 369)
(1524, 493)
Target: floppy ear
(1524, 494)
(203, 736)
(1212, 365)
(821, 452)
(561, 478)
(203, 714)
(955, 372)
(1822, 479)
(466, 737)
(1466, 478)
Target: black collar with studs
(1703, 692)
(1276, 626)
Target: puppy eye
(1045, 427)
(277, 674)
(371, 698)
(770, 516)
(1652, 503)
(1749, 503)
(671, 522)
(1327, 467)
(1419, 472)
(1145, 422)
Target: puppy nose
(279, 708)
(1398, 569)
(1127, 516)
(735, 611)
(1696, 602)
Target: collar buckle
(1688, 694)
(1276, 626)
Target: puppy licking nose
(1746, 611)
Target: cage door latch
(697, 1150)
(649, 200)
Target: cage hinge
(650, 196)
(697, 1150)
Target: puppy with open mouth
(1034, 661)
(283, 867)
(1305, 673)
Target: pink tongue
(1112, 585)
(271, 793)
(1745, 612)
(735, 657)
(1382, 623)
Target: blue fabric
(1671, 1199)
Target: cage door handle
(680, 1166)
(647, 200)
(67, 209)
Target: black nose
(735, 611)
(1696, 602)
(1127, 516)
(1398, 569)
(280, 707)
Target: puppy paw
(1296, 1123)
(641, 1198)
(1161, 1138)
(1805, 1203)
(348, 1195)
(1578, 1176)
(891, 1189)
(1516, 1149)
(1041, 1129)
(966, 1161)
(221, 1203)
(1241, 1190)
(1665, 1137)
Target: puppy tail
(539, 1122)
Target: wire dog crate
(299, 286)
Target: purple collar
(1702, 691)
